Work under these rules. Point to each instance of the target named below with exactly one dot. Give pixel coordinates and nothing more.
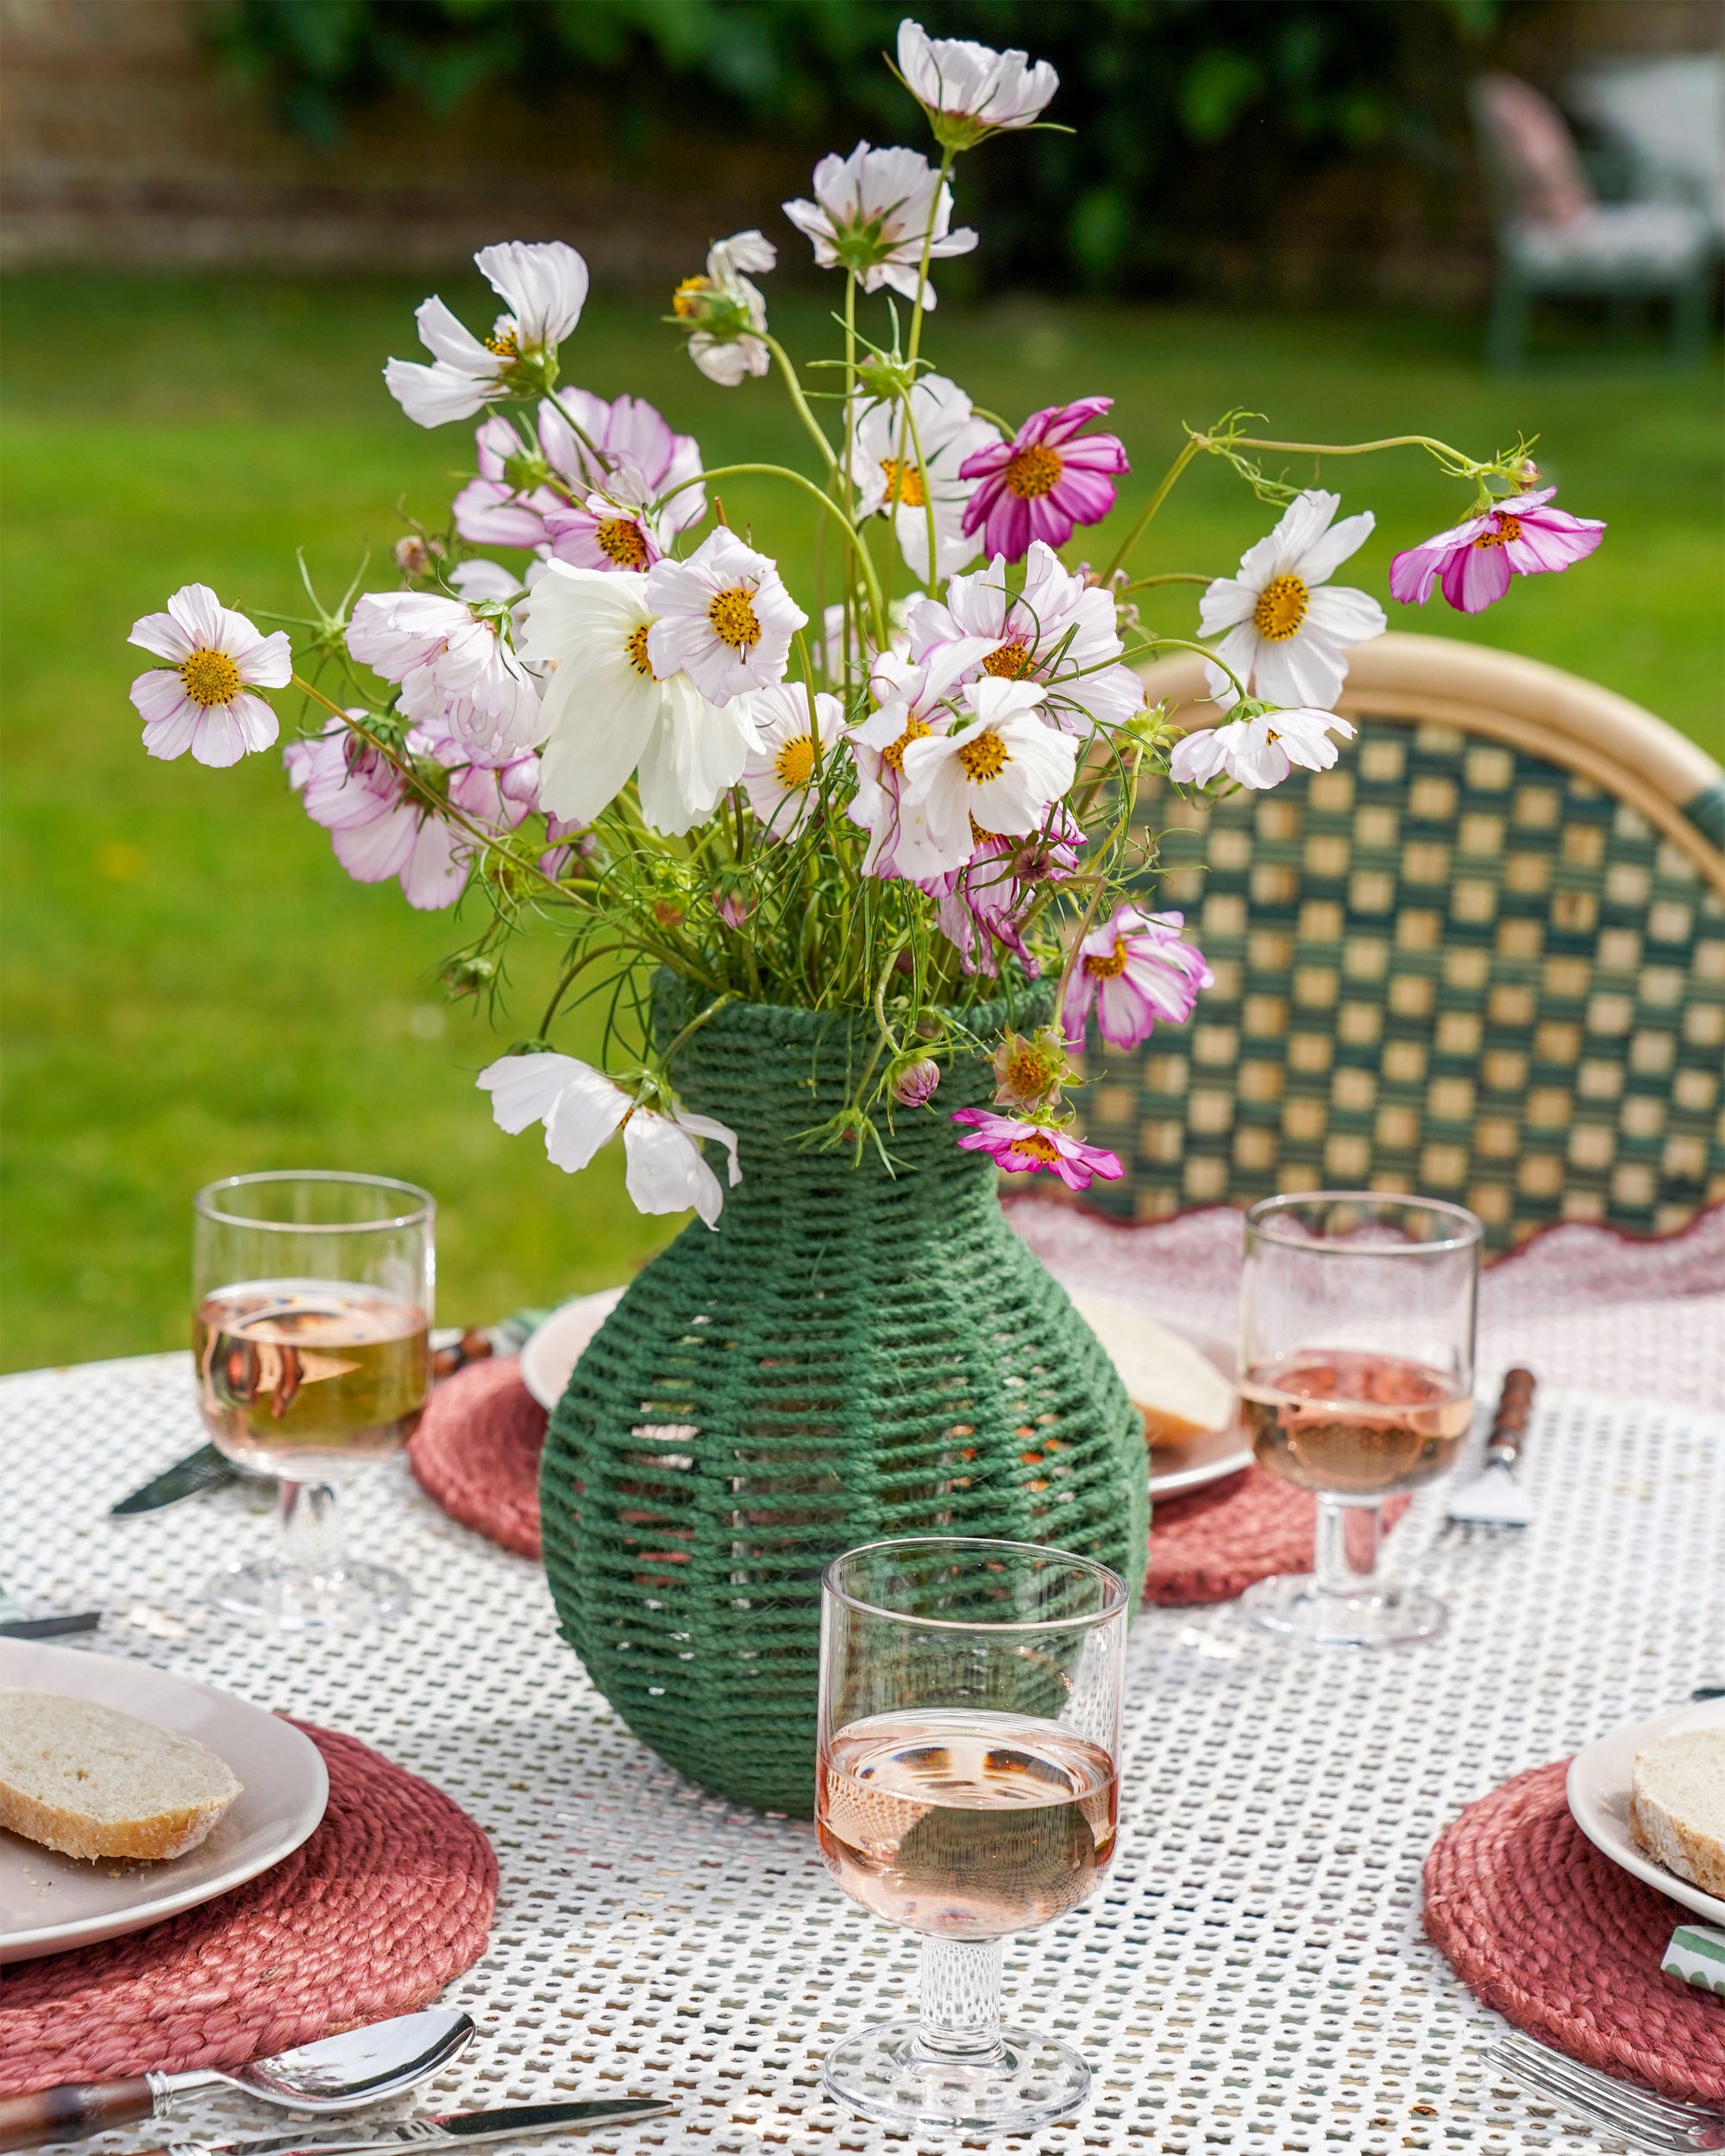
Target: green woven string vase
(851, 1354)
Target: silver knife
(205, 1468)
(449, 2130)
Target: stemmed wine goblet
(969, 1789)
(312, 1298)
(1357, 1331)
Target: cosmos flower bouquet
(590, 708)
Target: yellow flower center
(1282, 606)
(1027, 1073)
(637, 648)
(620, 538)
(1109, 964)
(505, 346)
(1034, 472)
(984, 758)
(211, 677)
(904, 482)
(1506, 529)
(1039, 1146)
(1008, 662)
(686, 300)
(793, 765)
(733, 619)
(894, 758)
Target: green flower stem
(795, 387)
(915, 342)
(931, 582)
(1156, 499)
(1170, 576)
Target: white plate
(49, 1902)
(1598, 1788)
(553, 1349)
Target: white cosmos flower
(1259, 750)
(483, 579)
(888, 480)
(457, 672)
(871, 212)
(1000, 770)
(778, 776)
(1288, 627)
(215, 656)
(726, 312)
(723, 616)
(608, 715)
(910, 695)
(969, 90)
(546, 287)
(580, 1108)
(1059, 630)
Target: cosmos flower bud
(414, 554)
(915, 1085)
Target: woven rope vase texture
(852, 1354)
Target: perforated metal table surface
(1253, 1977)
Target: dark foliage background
(1201, 124)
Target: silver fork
(1650, 2121)
(1493, 1498)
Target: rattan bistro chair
(1483, 958)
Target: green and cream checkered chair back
(1483, 958)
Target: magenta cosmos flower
(1023, 1148)
(1044, 480)
(1134, 969)
(1524, 537)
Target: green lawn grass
(192, 986)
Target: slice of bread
(1177, 1388)
(90, 1782)
(1677, 1809)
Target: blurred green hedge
(1199, 122)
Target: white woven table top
(1252, 1977)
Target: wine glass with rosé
(311, 1322)
(968, 1784)
(1357, 1336)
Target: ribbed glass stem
(959, 2020)
(310, 1527)
(1346, 1549)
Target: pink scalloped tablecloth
(1581, 1304)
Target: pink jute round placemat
(1567, 1944)
(1210, 1545)
(390, 1898)
(476, 1453)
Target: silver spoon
(340, 2073)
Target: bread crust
(168, 1834)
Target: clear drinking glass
(1357, 1325)
(968, 1787)
(312, 1297)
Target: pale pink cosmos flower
(546, 287)
(982, 905)
(1023, 1148)
(970, 92)
(998, 771)
(1048, 478)
(1522, 536)
(724, 618)
(725, 311)
(911, 697)
(1131, 971)
(457, 670)
(1259, 749)
(380, 830)
(1060, 630)
(872, 215)
(215, 657)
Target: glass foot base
(885, 2073)
(1293, 1605)
(281, 1600)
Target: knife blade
(205, 1468)
(449, 2130)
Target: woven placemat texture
(1565, 1944)
(390, 1898)
(1209, 1544)
(476, 1453)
